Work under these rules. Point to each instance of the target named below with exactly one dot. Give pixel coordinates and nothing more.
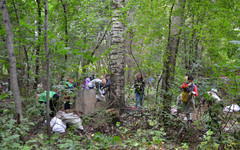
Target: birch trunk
(12, 61)
(117, 96)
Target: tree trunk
(66, 26)
(38, 47)
(19, 58)
(47, 67)
(128, 59)
(117, 96)
(12, 61)
(175, 22)
(64, 5)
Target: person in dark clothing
(72, 82)
(69, 87)
(92, 77)
(139, 86)
(107, 85)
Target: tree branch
(99, 43)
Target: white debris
(232, 108)
(174, 110)
(70, 118)
(215, 96)
(57, 125)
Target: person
(86, 82)
(69, 87)
(107, 85)
(179, 98)
(72, 82)
(139, 86)
(92, 77)
(187, 97)
(95, 83)
(53, 97)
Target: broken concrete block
(86, 101)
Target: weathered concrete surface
(86, 101)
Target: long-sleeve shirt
(139, 86)
(107, 84)
(92, 83)
(186, 85)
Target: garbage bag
(57, 125)
(70, 118)
(233, 107)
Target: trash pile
(232, 108)
(62, 118)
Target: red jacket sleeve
(195, 90)
(184, 85)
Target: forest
(120, 74)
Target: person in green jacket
(53, 97)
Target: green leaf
(116, 138)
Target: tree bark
(175, 22)
(128, 59)
(117, 96)
(12, 61)
(64, 5)
(38, 47)
(21, 68)
(47, 67)
(65, 26)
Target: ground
(136, 128)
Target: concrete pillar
(86, 101)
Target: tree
(12, 61)
(38, 47)
(47, 65)
(117, 97)
(64, 5)
(175, 22)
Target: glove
(193, 92)
(190, 84)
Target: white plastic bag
(57, 125)
(215, 96)
(233, 107)
(70, 118)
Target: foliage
(208, 50)
(11, 133)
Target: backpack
(189, 89)
(185, 94)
